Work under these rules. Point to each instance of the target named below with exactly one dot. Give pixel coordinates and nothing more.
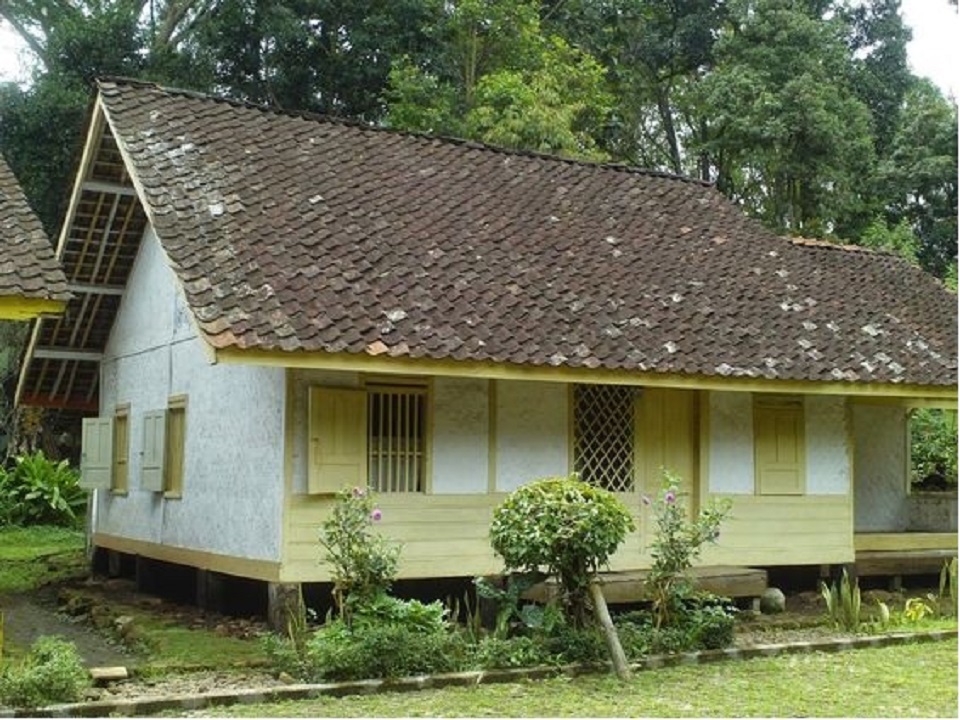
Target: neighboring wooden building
(32, 282)
(308, 303)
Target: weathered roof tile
(311, 234)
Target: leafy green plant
(412, 615)
(52, 672)
(40, 491)
(507, 596)
(843, 602)
(677, 544)
(916, 610)
(565, 527)
(364, 564)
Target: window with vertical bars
(396, 439)
(603, 436)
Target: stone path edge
(150, 706)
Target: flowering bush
(677, 545)
(364, 563)
(564, 526)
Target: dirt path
(26, 618)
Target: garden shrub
(338, 651)
(411, 615)
(565, 527)
(52, 672)
(676, 545)
(40, 491)
(363, 562)
(568, 644)
(494, 653)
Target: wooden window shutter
(175, 442)
(779, 446)
(96, 459)
(154, 436)
(338, 440)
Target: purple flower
(376, 515)
(645, 500)
(670, 497)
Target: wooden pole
(617, 656)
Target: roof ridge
(841, 246)
(349, 122)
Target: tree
(493, 76)
(788, 138)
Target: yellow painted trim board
(354, 362)
(227, 564)
(891, 542)
(17, 307)
(491, 436)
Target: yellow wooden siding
(892, 541)
(667, 432)
(447, 535)
(121, 453)
(338, 439)
(779, 447)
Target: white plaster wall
(233, 456)
(880, 468)
(461, 431)
(730, 463)
(301, 380)
(532, 432)
(826, 438)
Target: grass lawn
(33, 556)
(907, 681)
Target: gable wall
(233, 457)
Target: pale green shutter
(96, 459)
(154, 436)
(338, 440)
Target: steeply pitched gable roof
(28, 268)
(298, 235)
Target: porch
(896, 554)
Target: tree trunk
(617, 656)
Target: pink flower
(376, 515)
(670, 497)
(358, 492)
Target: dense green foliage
(52, 672)
(933, 449)
(805, 112)
(564, 527)
(40, 491)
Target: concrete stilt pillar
(284, 602)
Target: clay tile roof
(28, 267)
(299, 233)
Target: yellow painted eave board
(15, 307)
(352, 362)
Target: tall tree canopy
(803, 111)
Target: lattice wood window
(603, 435)
(396, 438)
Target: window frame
(402, 386)
(174, 462)
(634, 391)
(120, 463)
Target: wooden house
(285, 305)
